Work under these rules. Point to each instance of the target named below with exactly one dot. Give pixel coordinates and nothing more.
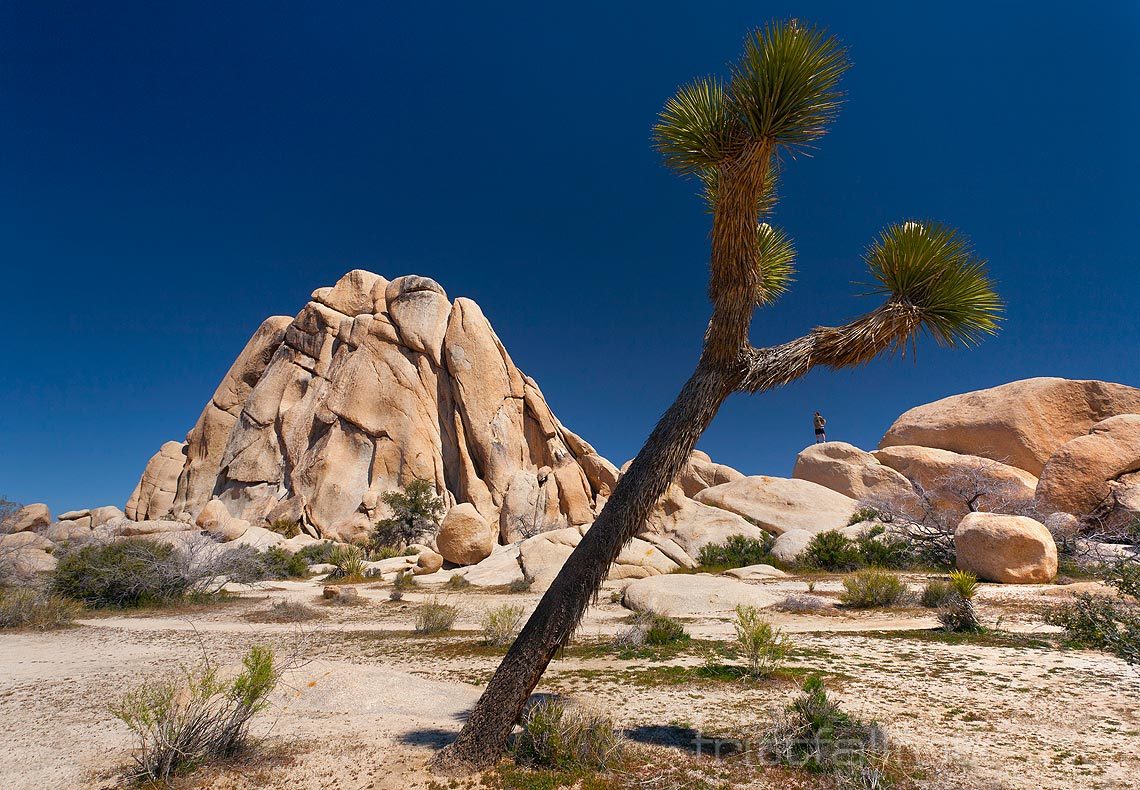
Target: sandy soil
(372, 700)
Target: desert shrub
(317, 553)
(349, 562)
(863, 514)
(520, 585)
(285, 526)
(285, 612)
(376, 553)
(872, 588)
(764, 646)
(560, 736)
(501, 624)
(404, 581)
(434, 617)
(736, 552)
(880, 550)
(416, 513)
(936, 593)
(802, 604)
(816, 735)
(457, 582)
(135, 572)
(180, 724)
(1104, 623)
(832, 551)
(280, 564)
(958, 612)
(36, 609)
(650, 628)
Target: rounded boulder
(1006, 549)
(464, 538)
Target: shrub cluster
(349, 562)
(181, 723)
(957, 612)
(650, 628)
(560, 736)
(834, 551)
(736, 552)
(127, 573)
(317, 553)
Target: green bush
(765, 647)
(34, 609)
(649, 628)
(832, 551)
(285, 612)
(863, 514)
(132, 572)
(736, 552)
(520, 585)
(285, 526)
(318, 553)
(434, 617)
(936, 593)
(457, 582)
(814, 734)
(280, 564)
(1103, 623)
(556, 735)
(502, 624)
(872, 588)
(880, 550)
(182, 723)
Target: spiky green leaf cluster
(932, 269)
(775, 260)
(783, 91)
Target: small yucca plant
(958, 613)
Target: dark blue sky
(171, 174)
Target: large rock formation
(957, 482)
(375, 383)
(1021, 423)
(1078, 477)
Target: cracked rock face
(373, 384)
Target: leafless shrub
(434, 617)
(502, 624)
(797, 603)
(8, 509)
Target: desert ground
(369, 700)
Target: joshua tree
(733, 135)
(416, 512)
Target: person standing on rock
(820, 434)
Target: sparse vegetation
(179, 724)
(416, 513)
(863, 514)
(802, 604)
(561, 736)
(880, 549)
(458, 582)
(277, 563)
(434, 617)
(817, 736)
(958, 613)
(501, 624)
(35, 609)
(765, 646)
(285, 612)
(736, 552)
(873, 588)
(520, 585)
